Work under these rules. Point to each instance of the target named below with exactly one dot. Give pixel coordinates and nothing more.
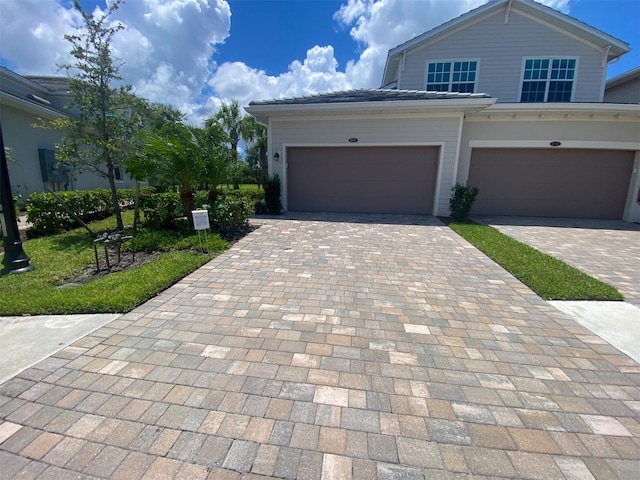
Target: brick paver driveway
(606, 249)
(325, 349)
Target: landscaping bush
(272, 195)
(48, 217)
(161, 210)
(229, 216)
(462, 201)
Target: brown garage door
(362, 179)
(551, 183)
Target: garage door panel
(544, 182)
(362, 179)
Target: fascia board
(562, 108)
(451, 24)
(456, 105)
(29, 107)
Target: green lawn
(550, 278)
(60, 257)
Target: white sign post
(200, 223)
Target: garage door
(362, 179)
(551, 183)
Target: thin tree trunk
(186, 196)
(136, 207)
(114, 196)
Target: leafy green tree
(101, 134)
(255, 135)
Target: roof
(627, 76)
(368, 95)
(572, 25)
(55, 84)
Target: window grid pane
(560, 91)
(555, 75)
(451, 76)
(533, 91)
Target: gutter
(465, 104)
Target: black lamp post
(14, 260)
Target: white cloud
(168, 47)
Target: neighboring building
(26, 101)
(509, 97)
(624, 88)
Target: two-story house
(509, 97)
(28, 101)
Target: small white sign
(200, 219)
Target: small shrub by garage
(272, 191)
(461, 202)
(230, 216)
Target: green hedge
(48, 217)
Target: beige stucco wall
(584, 132)
(383, 130)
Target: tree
(255, 135)
(229, 117)
(102, 132)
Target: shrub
(272, 195)
(461, 201)
(228, 216)
(161, 210)
(48, 217)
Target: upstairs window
(548, 80)
(452, 76)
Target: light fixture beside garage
(276, 156)
(353, 140)
(555, 144)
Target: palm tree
(228, 116)
(175, 154)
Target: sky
(193, 54)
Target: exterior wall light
(555, 144)
(276, 156)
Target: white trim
(451, 62)
(467, 19)
(548, 79)
(461, 103)
(457, 157)
(33, 108)
(390, 116)
(566, 144)
(441, 147)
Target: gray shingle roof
(368, 95)
(55, 84)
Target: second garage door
(362, 179)
(551, 183)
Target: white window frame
(451, 82)
(548, 80)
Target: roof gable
(611, 46)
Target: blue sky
(195, 53)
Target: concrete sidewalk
(26, 340)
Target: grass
(244, 187)
(64, 256)
(549, 277)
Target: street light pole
(14, 260)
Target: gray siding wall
(628, 92)
(381, 131)
(500, 49)
(25, 140)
